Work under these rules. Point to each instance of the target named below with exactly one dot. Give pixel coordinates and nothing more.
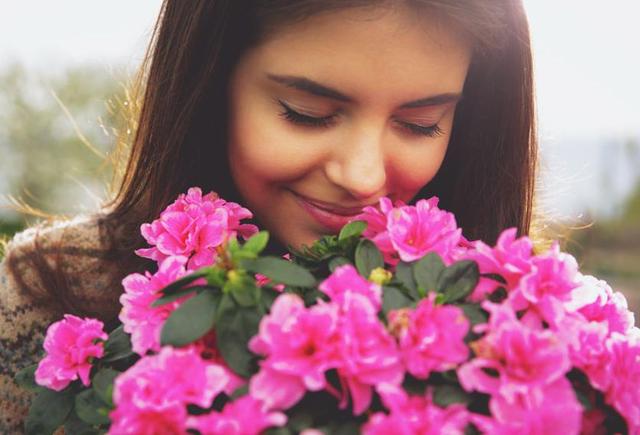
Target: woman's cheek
(268, 148)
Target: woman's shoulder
(38, 262)
(79, 232)
(46, 260)
(70, 255)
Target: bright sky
(587, 56)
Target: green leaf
(471, 429)
(236, 325)
(404, 274)
(233, 247)
(458, 280)
(103, 384)
(191, 320)
(368, 257)
(257, 242)
(216, 277)
(427, 271)
(343, 428)
(281, 271)
(311, 297)
(244, 290)
(474, 313)
(352, 229)
(174, 296)
(91, 409)
(279, 431)
(300, 421)
(583, 398)
(336, 262)
(48, 411)
(185, 280)
(75, 426)
(445, 395)
(242, 390)
(26, 378)
(117, 346)
(393, 299)
(267, 297)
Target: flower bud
(380, 276)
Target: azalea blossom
(624, 370)
(597, 302)
(245, 416)
(152, 396)
(194, 226)
(346, 279)
(408, 233)
(71, 345)
(510, 259)
(139, 318)
(548, 286)
(556, 412)
(368, 354)
(299, 345)
(525, 359)
(415, 415)
(431, 337)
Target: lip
(331, 218)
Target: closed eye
(430, 131)
(300, 119)
(326, 121)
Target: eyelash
(300, 119)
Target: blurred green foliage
(56, 128)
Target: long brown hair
(487, 178)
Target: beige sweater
(23, 320)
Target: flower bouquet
(396, 325)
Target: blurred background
(64, 67)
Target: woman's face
(329, 114)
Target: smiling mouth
(331, 219)
(334, 209)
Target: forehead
(373, 53)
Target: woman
(303, 111)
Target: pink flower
(71, 345)
(556, 411)
(139, 318)
(525, 359)
(624, 364)
(415, 415)
(277, 390)
(299, 345)
(245, 416)
(408, 232)
(194, 226)
(368, 353)
(347, 279)
(551, 280)
(431, 337)
(152, 396)
(597, 302)
(417, 230)
(510, 259)
(376, 230)
(207, 348)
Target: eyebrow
(314, 88)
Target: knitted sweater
(23, 320)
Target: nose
(358, 163)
